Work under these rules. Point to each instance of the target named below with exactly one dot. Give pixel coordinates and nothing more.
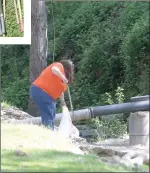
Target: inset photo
(15, 21)
(12, 18)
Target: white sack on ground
(66, 128)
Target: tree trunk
(38, 48)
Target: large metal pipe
(140, 98)
(85, 114)
(120, 108)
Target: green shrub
(12, 28)
(111, 126)
(17, 93)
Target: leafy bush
(107, 41)
(12, 28)
(111, 126)
(15, 75)
(108, 46)
(17, 93)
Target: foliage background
(108, 43)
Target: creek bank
(113, 151)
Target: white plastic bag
(75, 132)
(65, 127)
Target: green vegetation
(108, 42)
(12, 28)
(114, 126)
(110, 128)
(5, 105)
(108, 46)
(15, 75)
(54, 161)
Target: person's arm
(58, 73)
(62, 100)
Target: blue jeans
(45, 104)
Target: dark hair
(69, 69)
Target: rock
(109, 159)
(136, 158)
(118, 151)
(83, 127)
(100, 150)
(19, 153)
(78, 140)
(13, 113)
(88, 133)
